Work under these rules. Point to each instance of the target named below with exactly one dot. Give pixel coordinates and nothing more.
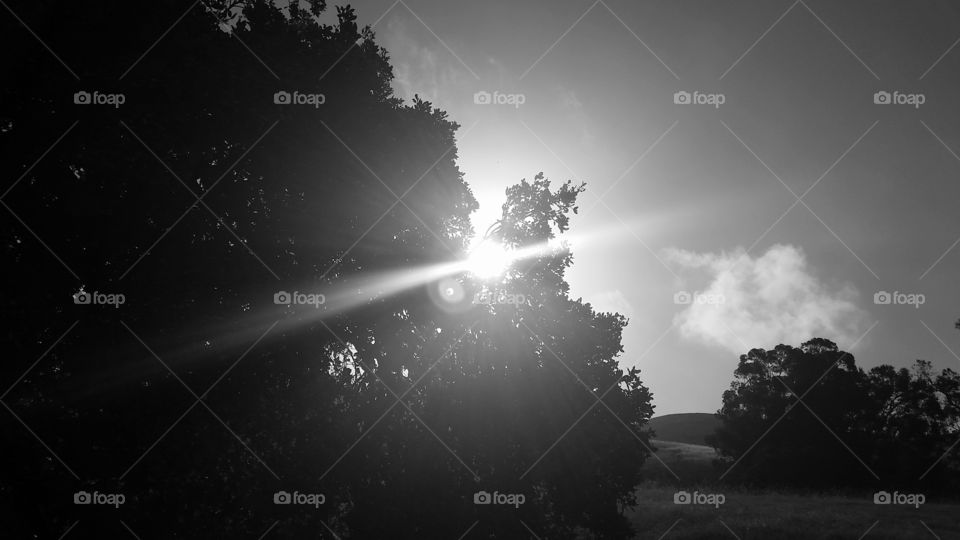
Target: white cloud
(763, 301)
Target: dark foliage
(808, 417)
(198, 199)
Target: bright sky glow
(489, 259)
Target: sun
(488, 260)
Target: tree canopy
(205, 194)
(809, 417)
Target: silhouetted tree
(800, 450)
(810, 418)
(199, 198)
(911, 423)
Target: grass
(747, 515)
(693, 463)
(754, 514)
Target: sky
(776, 165)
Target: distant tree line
(808, 417)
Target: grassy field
(771, 515)
(693, 463)
(758, 516)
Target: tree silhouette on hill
(809, 417)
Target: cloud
(763, 301)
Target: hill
(690, 428)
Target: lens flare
(451, 290)
(450, 295)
